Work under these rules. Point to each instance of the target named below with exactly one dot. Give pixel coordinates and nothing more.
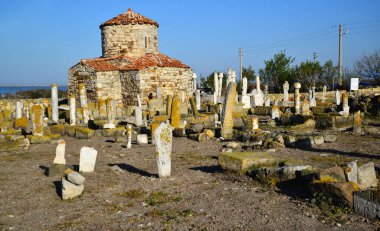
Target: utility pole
(340, 65)
(315, 56)
(241, 64)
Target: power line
(300, 37)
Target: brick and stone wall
(130, 86)
(170, 80)
(82, 74)
(130, 40)
(108, 85)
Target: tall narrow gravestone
(228, 108)
(163, 139)
(87, 159)
(54, 102)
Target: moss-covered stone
(57, 129)
(70, 131)
(21, 122)
(160, 118)
(39, 139)
(342, 122)
(10, 145)
(84, 133)
(111, 132)
(241, 162)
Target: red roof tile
(129, 18)
(124, 63)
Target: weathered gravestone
(163, 139)
(87, 159)
(227, 119)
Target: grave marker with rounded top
(163, 139)
(87, 159)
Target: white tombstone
(216, 86)
(19, 107)
(297, 101)
(257, 94)
(198, 99)
(142, 139)
(337, 97)
(246, 101)
(129, 136)
(138, 101)
(87, 159)
(216, 120)
(158, 93)
(275, 113)
(286, 94)
(73, 115)
(220, 76)
(275, 102)
(313, 101)
(245, 86)
(83, 102)
(54, 103)
(255, 123)
(163, 138)
(324, 93)
(194, 82)
(229, 76)
(60, 153)
(267, 102)
(138, 117)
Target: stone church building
(130, 64)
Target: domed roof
(129, 18)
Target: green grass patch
(160, 198)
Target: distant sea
(13, 89)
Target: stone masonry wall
(108, 85)
(170, 80)
(82, 74)
(130, 87)
(130, 40)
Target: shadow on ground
(208, 169)
(133, 169)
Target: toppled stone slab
(241, 162)
(84, 133)
(306, 127)
(39, 139)
(70, 190)
(11, 145)
(282, 173)
(142, 139)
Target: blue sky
(41, 39)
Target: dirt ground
(198, 196)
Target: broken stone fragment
(142, 139)
(340, 192)
(74, 177)
(70, 190)
(367, 176)
(352, 172)
(318, 140)
(334, 174)
(195, 129)
(329, 138)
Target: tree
(309, 73)
(249, 73)
(329, 72)
(369, 66)
(277, 70)
(209, 81)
